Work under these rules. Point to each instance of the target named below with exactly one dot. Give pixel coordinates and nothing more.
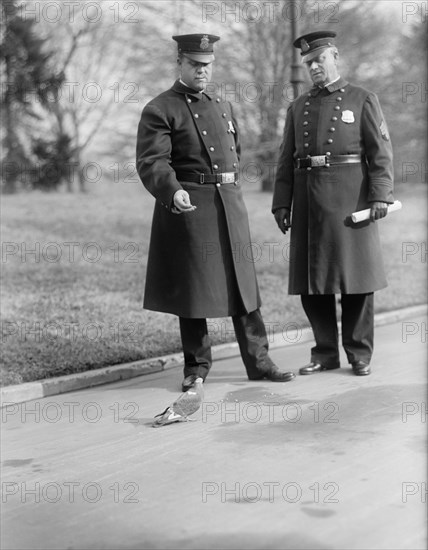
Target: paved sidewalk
(330, 461)
(290, 335)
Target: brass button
(306, 134)
(218, 100)
(212, 149)
(338, 98)
(204, 132)
(217, 184)
(337, 108)
(305, 123)
(329, 140)
(189, 100)
(235, 165)
(308, 168)
(306, 145)
(328, 153)
(332, 129)
(215, 166)
(342, 90)
(307, 102)
(196, 115)
(224, 115)
(334, 118)
(232, 148)
(306, 113)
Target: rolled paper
(362, 215)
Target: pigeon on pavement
(184, 406)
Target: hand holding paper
(363, 215)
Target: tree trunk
(11, 166)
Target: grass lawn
(73, 269)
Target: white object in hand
(363, 215)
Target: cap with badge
(313, 43)
(199, 47)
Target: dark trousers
(250, 334)
(357, 327)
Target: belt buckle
(318, 160)
(228, 177)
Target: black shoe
(361, 368)
(189, 382)
(314, 367)
(276, 375)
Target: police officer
(187, 157)
(335, 159)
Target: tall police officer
(336, 158)
(187, 157)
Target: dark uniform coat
(328, 253)
(195, 266)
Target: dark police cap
(313, 43)
(199, 47)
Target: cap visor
(200, 57)
(314, 53)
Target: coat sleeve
(284, 181)
(154, 155)
(378, 151)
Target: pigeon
(185, 405)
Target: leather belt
(222, 178)
(326, 160)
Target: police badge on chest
(230, 126)
(348, 117)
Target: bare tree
(86, 51)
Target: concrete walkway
(330, 461)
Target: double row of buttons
(205, 133)
(332, 129)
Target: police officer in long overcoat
(335, 159)
(188, 159)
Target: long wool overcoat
(328, 253)
(196, 265)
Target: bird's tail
(168, 416)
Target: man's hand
(182, 202)
(378, 210)
(282, 218)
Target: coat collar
(341, 83)
(183, 89)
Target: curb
(62, 384)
